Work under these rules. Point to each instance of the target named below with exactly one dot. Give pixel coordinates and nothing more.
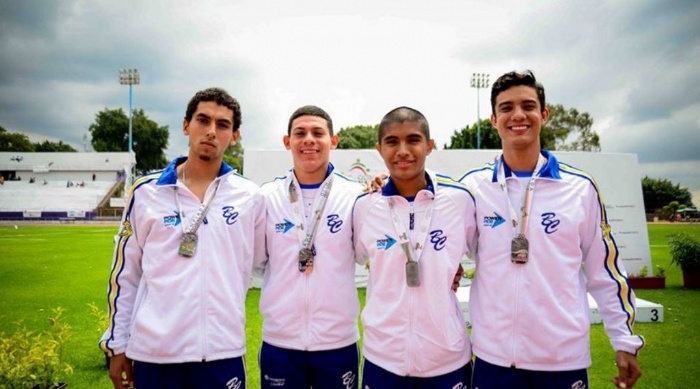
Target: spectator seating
(54, 196)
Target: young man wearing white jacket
(183, 261)
(544, 242)
(309, 301)
(414, 234)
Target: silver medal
(412, 274)
(306, 260)
(188, 244)
(519, 247)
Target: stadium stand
(59, 186)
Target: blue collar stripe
(310, 186)
(169, 174)
(389, 188)
(549, 170)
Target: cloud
(676, 138)
(631, 65)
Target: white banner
(76, 213)
(617, 176)
(31, 213)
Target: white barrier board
(617, 176)
(647, 312)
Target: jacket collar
(549, 170)
(169, 175)
(389, 189)
(291, 175)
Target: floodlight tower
(130, 77)
(479, 80)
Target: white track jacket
(166, 308)
(415, 331)
(535, 315)
(316, 311)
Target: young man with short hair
(414, 234)
(309, 300)
(544, 241)
(183, 261)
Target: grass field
(43, 267)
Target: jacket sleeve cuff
(112, 348)
(629, 344)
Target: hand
(376, 183)
(458, 278)
(121, 372)
(629, 370)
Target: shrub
(470, 273)
(643, 272)
(34, 360)
(660, 271)
(102, 323)
(685, 251)
(101, 317)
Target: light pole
(130, 77)
(479, 80)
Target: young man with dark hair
(528, 303)
(183, 261)
(309, 300)
(414, 234)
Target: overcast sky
(633, 65)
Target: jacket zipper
(306, 312)
(203, 318)
(410, 301)
(203, 311)
(411, 325)
(514, 331)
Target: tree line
(11, 141)
(566, 129)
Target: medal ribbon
(306, 240)
(203, 209)
(413, 253)
(529, 192)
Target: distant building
(59, 186)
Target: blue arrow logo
(493, 221)
(385, 244)
(172, 220)
(389, 241)
(284, 227)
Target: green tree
(661, 192)
(670, 209)
(566, 129)
(53, 146)
(10, 141)
(110, 132)
(234, 156)
(466, 137)
(358, 137)
(569, 129)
